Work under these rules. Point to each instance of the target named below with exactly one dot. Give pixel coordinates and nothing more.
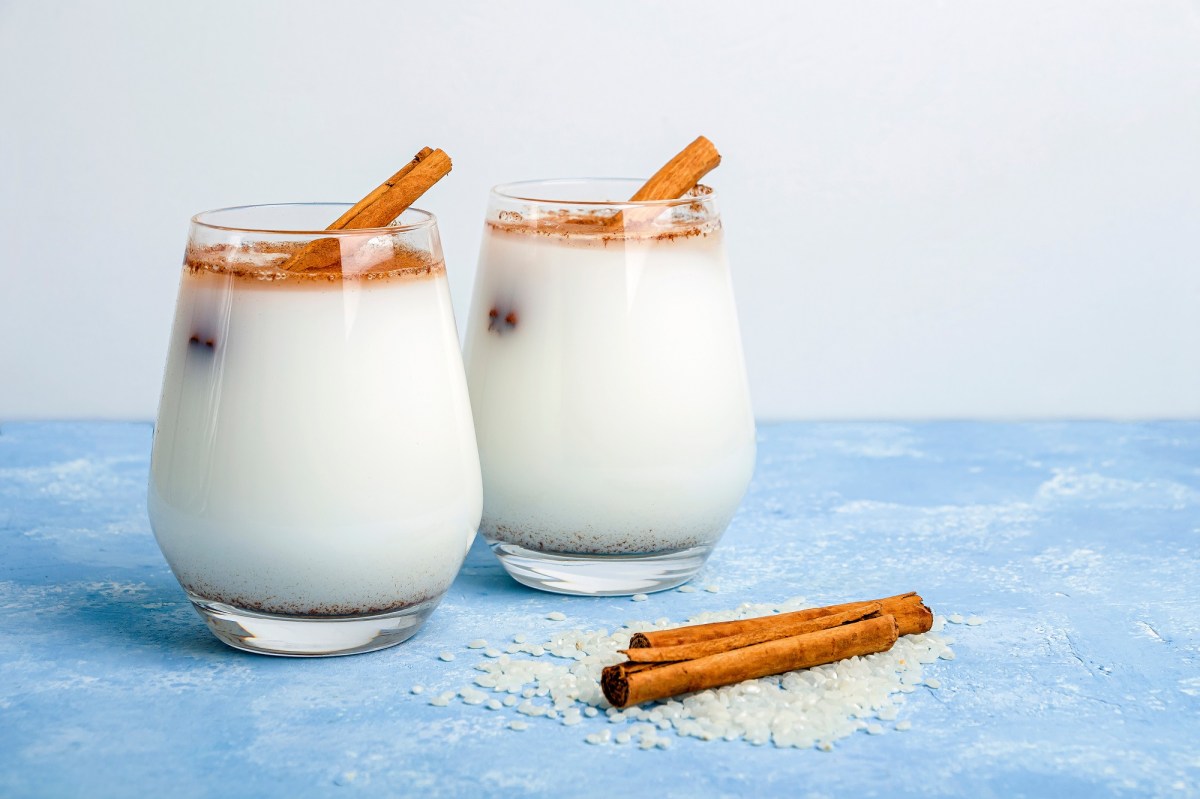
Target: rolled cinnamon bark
(774, 627)
(386, 202)
(674, 179)
(397, 193)
(633, 683)
(681, 173)
(346, 220)
(910, 611)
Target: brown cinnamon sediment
(632, 683)
(785, 628)
(675, 178)
(276, 605)
(379, 208)
(909, 609)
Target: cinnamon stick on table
(632, 683)
(676, 177)
(786, 628)
(910, 611)
(377, 209)
(668, 662)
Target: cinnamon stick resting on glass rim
(378, 209)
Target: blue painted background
(1079, 544)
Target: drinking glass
(608, 386)
(314, 482)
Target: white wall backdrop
(939, 209)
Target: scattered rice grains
(560, 682)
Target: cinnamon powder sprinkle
(262, 262)
(684, 221)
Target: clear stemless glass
(608, 386)
(314, 483)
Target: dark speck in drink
(498, 325)
(207, 343)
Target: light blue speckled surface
(1079, 543)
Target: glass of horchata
(608, 386)
(314, 483)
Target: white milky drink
(314, 456)
(608, 387)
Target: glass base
(582, 574)
(310, 636)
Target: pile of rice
(558, 681)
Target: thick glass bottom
(310, 636)
(599, 575)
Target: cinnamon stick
(379, 208)
(316, 254)
(910, 611)
(632, 683)
(681, 173)
(398, 192)
(677, 176)
(785, 628)
(343, 221)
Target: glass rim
(516, 190)
(427, 220)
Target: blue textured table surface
(1078, 543)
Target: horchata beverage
(607, 381)
(314, 458)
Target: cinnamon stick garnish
(786, 627)
(681, 173)
(343, 221)
(379, 208)
(677, 176)
(317, 254)
(910, 611)
(632, 683)
(397, 193)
